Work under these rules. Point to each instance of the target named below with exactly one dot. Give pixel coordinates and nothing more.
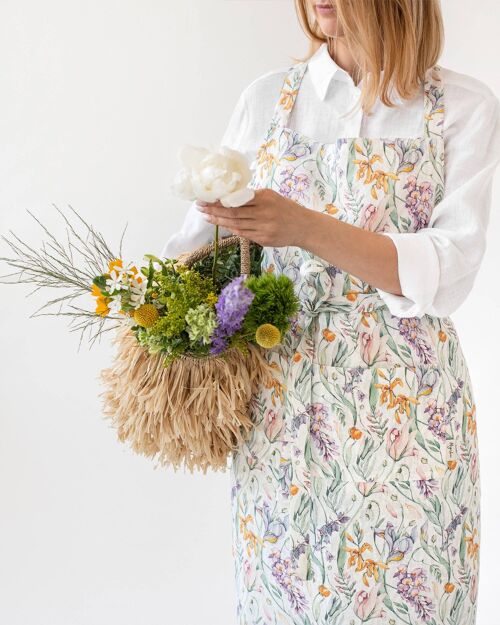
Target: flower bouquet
(190, 332)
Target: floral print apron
(356, 497)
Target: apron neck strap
(288, 95)
(433, 103)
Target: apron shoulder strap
(434, 103)
(288, 94)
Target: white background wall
(96, 96)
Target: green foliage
(185, 298)
(274, 302)
(228, 264)
(179, 292)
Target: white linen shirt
(437, 265)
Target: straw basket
(193, 412)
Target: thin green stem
(216, 252)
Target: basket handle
(189, 258)
(244, 256)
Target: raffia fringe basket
(192, 413)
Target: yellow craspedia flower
(146, 315)
(267, 335)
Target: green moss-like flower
(275, 302)
(201, 322)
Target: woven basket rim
(189, 258)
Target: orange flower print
(381, 179)
(331, 209)
(472, 543)
(378, 178)
(403, 406)
(287, 95)
(248, 535)
(265, 157)
(369, 567)
(277, 387)
(328, 335)
(471, 421)
(388, 396)
(355, 434)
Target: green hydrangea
(201, 322)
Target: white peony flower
(211, 176)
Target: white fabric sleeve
(195, 230)
(437, 265)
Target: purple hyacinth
(232, 306)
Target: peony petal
(239, 162)
(191, 155)
(237, 198)
(182, 186)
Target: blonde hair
(403, 37)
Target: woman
(357, 496)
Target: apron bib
(357, 492)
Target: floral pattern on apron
(356, 497)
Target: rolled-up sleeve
(195, 230)
(438, 264)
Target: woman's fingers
(229, 223)
(227, 213)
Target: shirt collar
(323, 69)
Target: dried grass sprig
(70, 263)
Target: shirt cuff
(418, 269)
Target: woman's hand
(269, 219)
